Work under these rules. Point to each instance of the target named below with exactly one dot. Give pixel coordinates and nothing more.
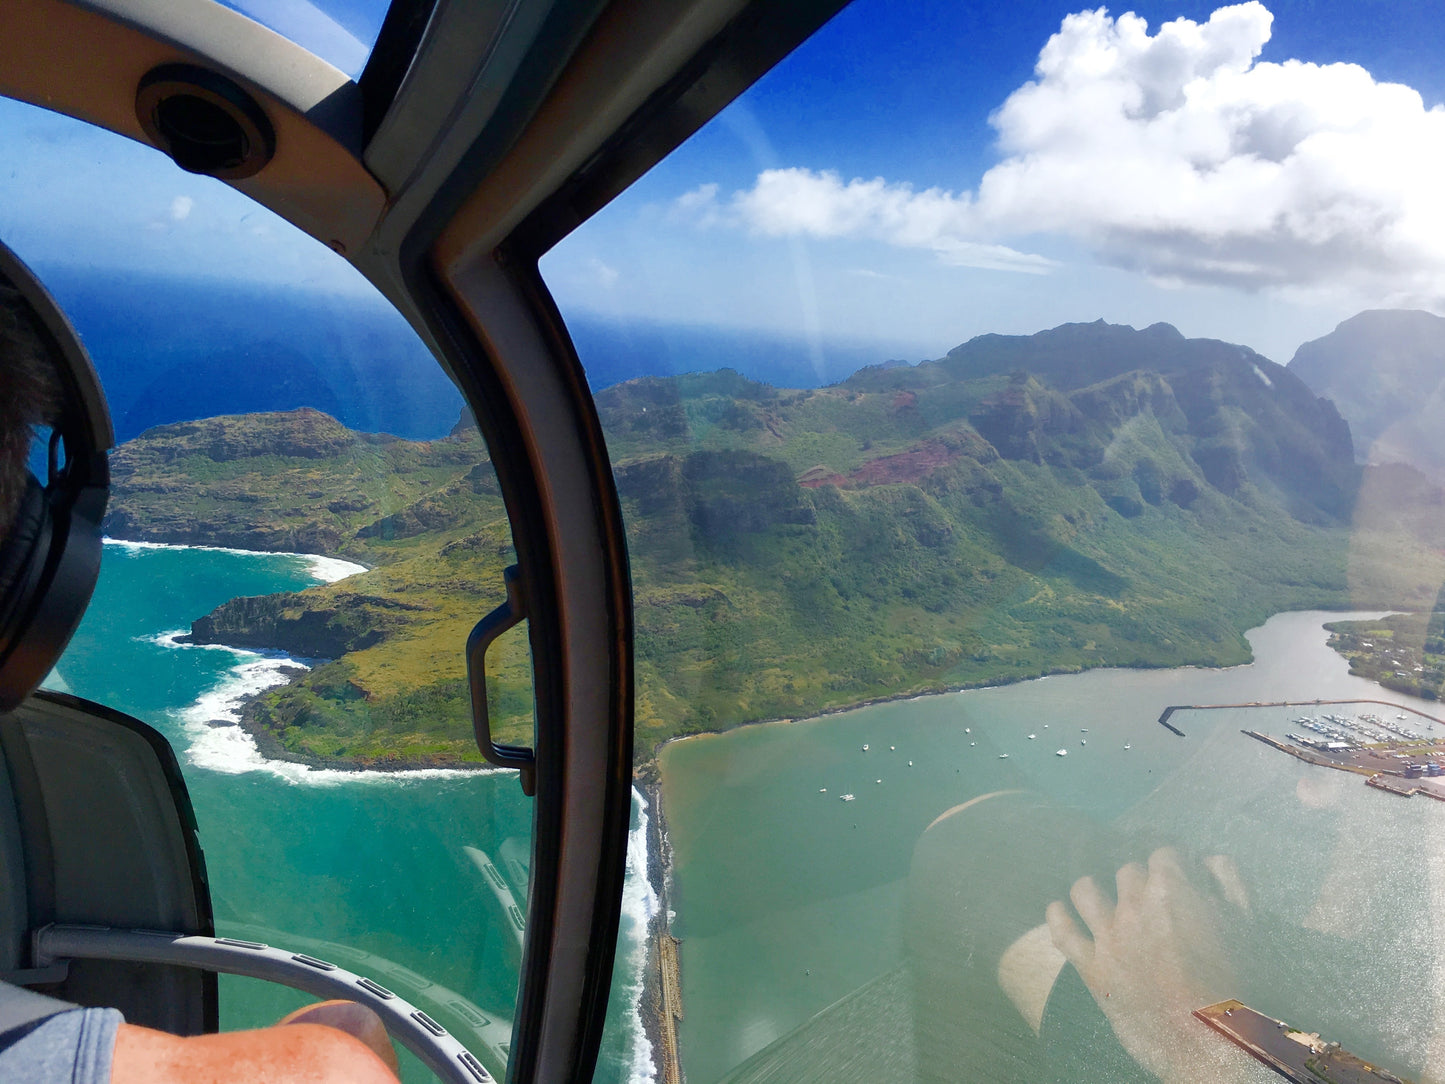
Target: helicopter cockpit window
(1026, 420)
(303, 527)
(341, 32)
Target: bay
(788, 899)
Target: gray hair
(29, 394)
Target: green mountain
(1385, 369)
(1091, 495)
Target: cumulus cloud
(1178, 154)
(181, 208)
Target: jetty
(1172, 708)
(1300, 1056)
(670, 983)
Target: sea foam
(322, 568)
(639, 906)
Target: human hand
(1155, 956)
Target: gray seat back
(96, 827)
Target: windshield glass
(340, 32)
(1030, 414)
(303, 527)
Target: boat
(892, 748)
(1127, 746)
(972, 743)
(1061, 752)
(1083, 741)
(822, 790)
(877, 780)
(865, 747)
(1003, 756)
(1083, 730)
(845, 797)
(910, 763)
(966, 730)
(1032, 737)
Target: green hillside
(1088, 496)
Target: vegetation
(1404, 652)
(1085, 497)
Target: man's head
(50, 539)
(29, 395)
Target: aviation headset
(50, 551)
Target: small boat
(972, 743)
(910, 763)
(845, 797)
(1127, 746)
(966, 730)
(1061, 752)
(1032, 737)
(1046, 726)
(877, 780)
(892, 748)
(865, 747)
(1003, 756)
(1083, 742)
(1083, 730)
(822, 790)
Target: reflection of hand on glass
(1152, 958)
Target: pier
(1302, 1057)
(1164, 716)
(670, 983)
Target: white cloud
(181, 208)
(1177, 154)
(605, 273)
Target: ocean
(369, 867)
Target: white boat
(822, 790)
(845, 797)
(1003, 756)
(892, 748)
(1083, 742)
(910, 763)
(966, 730)
(1061, 752)
(1127, 746)
(877, 780)
(972, 743)
(1083, 730)
(865, 747)
(1032, 737)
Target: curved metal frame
(451, 1061)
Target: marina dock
(1296, 1055)
(1171, 709)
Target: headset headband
(50, 556)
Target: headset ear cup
(22, 558)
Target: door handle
(508, 614)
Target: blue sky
(897, 181)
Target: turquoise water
(789, 899)
(365, 862)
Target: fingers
(1231, 884)
(1131, 880)
(1070, 940)
(1093, 906)
(1164, 864)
